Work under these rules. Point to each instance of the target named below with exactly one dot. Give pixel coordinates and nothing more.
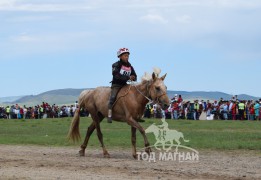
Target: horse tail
(74, 133)
(185, 140)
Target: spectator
(241, 109)
(209, 108)
(234, 110)
(181, 111)
(186, 109)
(21, 112)
(41, 111)
(252, 112)
(147, 110)
(215, 105)
(196, 110)
(76, 104)
(16, 112)
(179, 100)
(201, 107)
(155, 110)
(36, 112)
(175, 109)
(7, 110)
(225, 110)
(71, 111)
(25, 111)
(257, 109)
(247, 110)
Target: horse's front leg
(135, 124)
(133, 142)
(97, 121)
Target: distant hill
(9, 99)
(59, 97)
(212, 95)
(69, 96)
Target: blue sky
(203, 45)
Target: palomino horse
(129, 107)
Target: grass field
(221, 135)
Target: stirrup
(109, 120)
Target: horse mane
(147, 76)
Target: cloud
(81, 5)
(12, 5)
(192, 22)
(24, 38)
(154, 18)
(242, 4)
(185, 19)
(28, 19)
(30, 44)
(62, 38)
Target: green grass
(220, 135)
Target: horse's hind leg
(87, 137)
(97, 121)
(133, 142)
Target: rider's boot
(109, 120)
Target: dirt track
(33, 162)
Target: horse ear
(153, 76)
(163, 77)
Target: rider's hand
(132, 77)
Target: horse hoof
(106, 155)
(81, 153)
(148, 150)
(135, 156)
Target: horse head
(158, 90)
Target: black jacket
(119, 78)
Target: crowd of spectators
(233, 109)
(42, 111)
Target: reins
(132, 83)
(150, 100)
(127, 92)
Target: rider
(122, 71)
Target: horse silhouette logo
(166, 136)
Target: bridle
(158, 97)
(132, 83)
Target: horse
(129, 107)
(167, 136)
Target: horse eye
(157, 88)
(166, 87)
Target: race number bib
(125, 71)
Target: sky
(202, 45)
